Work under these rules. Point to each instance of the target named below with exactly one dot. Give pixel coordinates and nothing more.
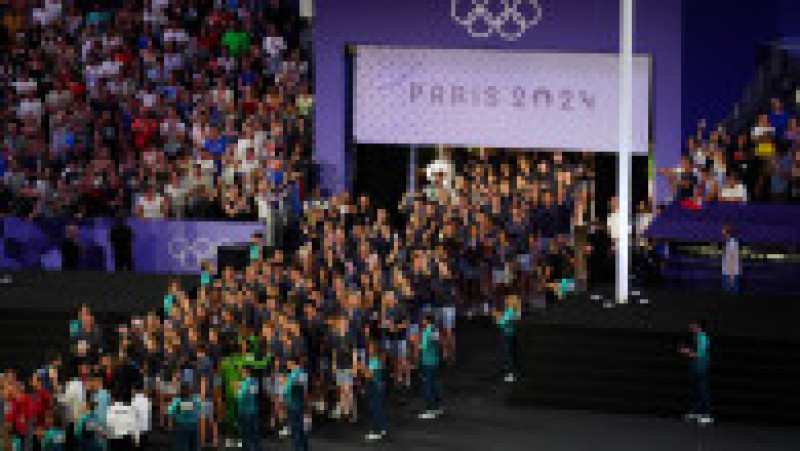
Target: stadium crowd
(203, 109)
(158, 108)
(361, 307)
(761, 164)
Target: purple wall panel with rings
(566, 25)
(159, 246)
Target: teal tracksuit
(294, 393)
(247, 399)
(186, 412)
(429, 366)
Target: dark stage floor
(484, 414)
(666, 310)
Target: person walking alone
(372, 372)
(507, 322)
(429, 368)
(700, 361)
(731, 263)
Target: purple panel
(159, 246)
(753, 223)
(566, 25)
(30, 244)
(180, 246)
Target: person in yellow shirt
(764, 136)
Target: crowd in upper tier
(154, 108)
(760, 164)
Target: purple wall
(168, 246)
(788, 19)
(567, 25)
(719, 55)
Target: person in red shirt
(19, 415)
(41, 401)
(144, 129)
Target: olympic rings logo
(190, 253)
(509, 19)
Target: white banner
(495, 98)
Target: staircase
(637, 371)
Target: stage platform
(586, 353)
(579, 354)
(670, 311)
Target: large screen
(491, 98)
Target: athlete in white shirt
(731, 263)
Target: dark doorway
(381, 172)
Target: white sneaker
(691, 417)
(374, 436)
(437, 412)
(427, 415)
(307, 423)
(705, 420)
(509, 377)
(284, 432)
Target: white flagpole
(625, 148)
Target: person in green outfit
(236, 40)
(429, 367)
(185, 410)
(507, 322)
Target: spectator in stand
(778, 118)
(759, 162)
(152, 87)
(733, 191)
(781, 171)
(795, 174)
(152, 205)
